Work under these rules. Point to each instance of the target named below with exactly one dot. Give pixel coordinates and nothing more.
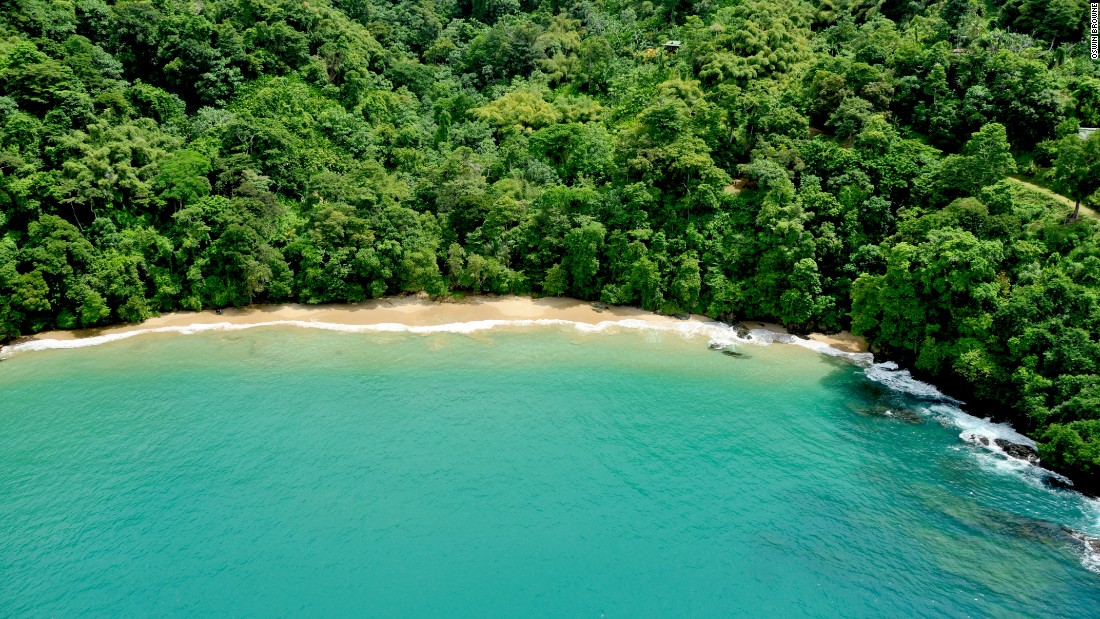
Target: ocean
(522, 470)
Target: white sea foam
(887, 373)
(947, 409)
(1091, 561)
(719, 334)
(1089, 546)
(938, 404)
(1091, 557)
(686, 328)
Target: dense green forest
(834, 165)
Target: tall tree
(1077, 168)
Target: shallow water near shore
(542, 471)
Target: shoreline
(419, 312)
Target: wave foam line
(1090, 558)
(942, 406)
(888, 374)
(719, 334)
(891, 376)
(687, 329)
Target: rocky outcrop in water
(1018, 450)
(1054, 480)
(1091, 544)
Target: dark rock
(682, 316)
(1057, 481)
(1018, 451)
(716, 346)
(599, 307)
(741, 330)
(976, 439)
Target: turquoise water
(546, 472)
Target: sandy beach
(419, 311)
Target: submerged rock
(1026, 527)
(1018, 451)
(725, 349)
(1089, 543)
(1092, 544)
(900, 413)
(903, 414)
